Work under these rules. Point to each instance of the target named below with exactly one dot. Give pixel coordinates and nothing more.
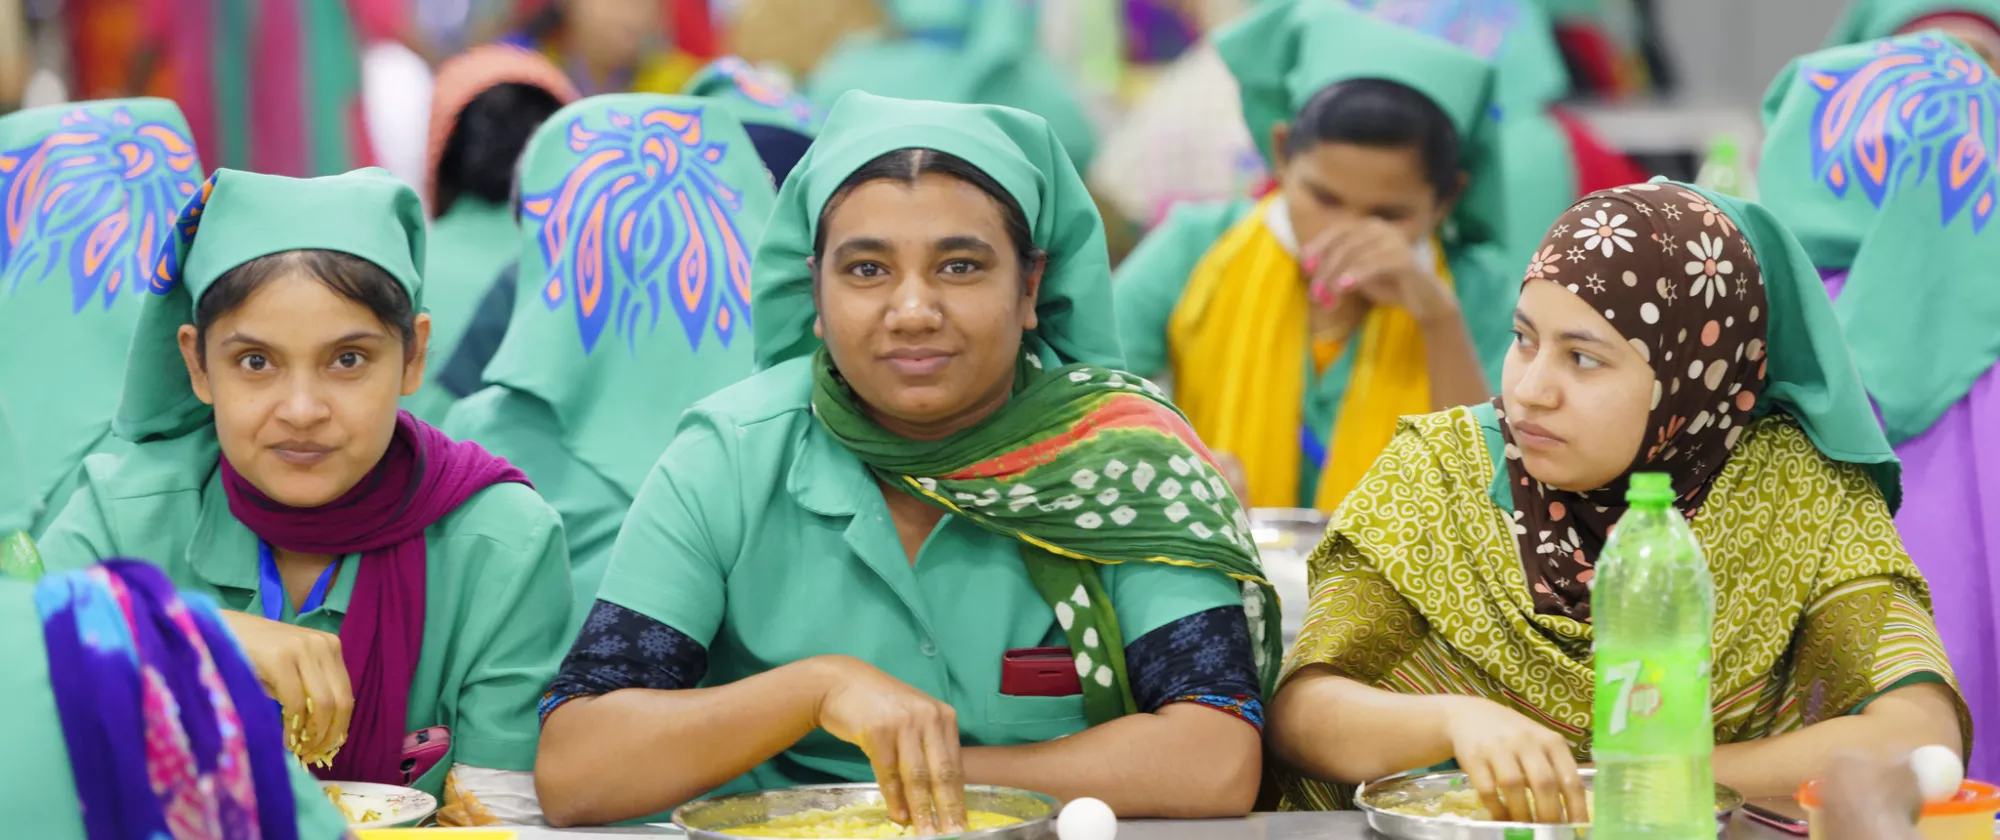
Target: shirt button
(929, 647)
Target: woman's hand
(1507, 756)
(910, 737)
(1372, 260)
(303, 671)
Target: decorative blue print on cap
(644, 222)
(91, 201)
(1921, 108)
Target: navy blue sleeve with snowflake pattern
(1204, 658)
(619, 648)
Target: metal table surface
(1326, 826)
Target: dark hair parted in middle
(1381, 114)
(349, 276)
(489, 136)
(906, 166)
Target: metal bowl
(1395, 791)
(1285, 538)
(707, 818)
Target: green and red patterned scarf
(1085, 465)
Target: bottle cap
(1650, 490)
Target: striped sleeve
(1860, 640)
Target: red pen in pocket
(1039, 672)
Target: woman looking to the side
(1450, 617)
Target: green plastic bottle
(1652, 608)
(1724, 169)
(18, 557)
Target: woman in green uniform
(846, 567)
(1451, 606)
(402, 595)
(487, 104)
(91, 192)
(633, 304)
(1298, 329)
(133, 715)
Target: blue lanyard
(271, 587)
(1315, 450)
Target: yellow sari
(1239, 340)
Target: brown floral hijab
(1673, 274)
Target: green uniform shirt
(37, 787)
(762, 538)
(496, 606)
(468, 247)
(521, 428)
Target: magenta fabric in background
(1950, 523)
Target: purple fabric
(1950, 522)
(422, 477)
(168, 732)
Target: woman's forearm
(639, 751)
(1894, 723)
(1185, 761)
(1457, 375)
(1329, 727)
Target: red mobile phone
(1780, 812)
(1039, 672)
(422, 750)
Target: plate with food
(1442, 805)
(368, 805)
(856, 812)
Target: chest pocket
(1032, 720)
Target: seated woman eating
(1451, 598)
(1367, 287)
(829, 571)
(403, 596)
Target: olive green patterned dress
(1419, 589)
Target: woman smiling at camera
(1451, 598)
(403, 596)
(822, 579)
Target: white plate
(396, 806)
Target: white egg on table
(1086, 819)
(1939, 772)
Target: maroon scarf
(422, 477)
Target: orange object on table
(1966, 816)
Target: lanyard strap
(1313, 448)
(272, 587)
